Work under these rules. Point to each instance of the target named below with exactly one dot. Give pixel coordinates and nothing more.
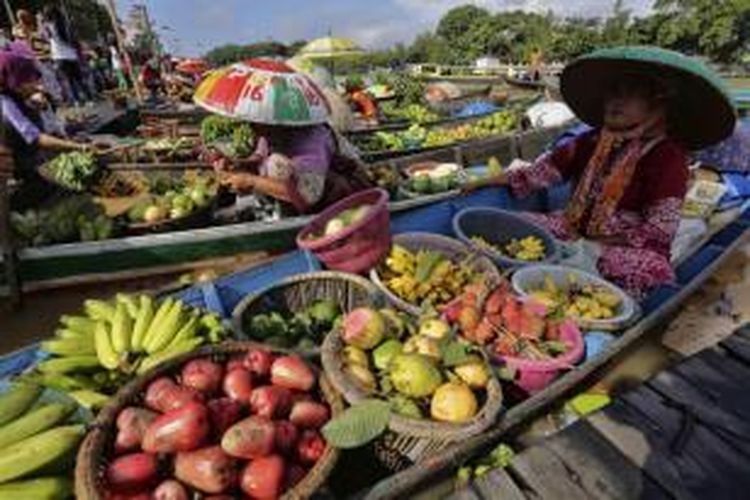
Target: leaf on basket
(456, 353)
(358, 425)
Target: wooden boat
(433, 214)
(526, 83)
(58, 265)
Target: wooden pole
(110, 4)
(11, 14)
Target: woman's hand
(240, 183)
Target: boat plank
(716, 372)
(739, 346)
(498, 484)
(547, 476)
(465, 493)
(634, 436)
(686, 451)
(728, 419)
(602, 470)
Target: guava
(355, 356)
(363, 328)
(424, 346)
(414, 375)
(363, 377)
(405, 407)
(395, 324)
(385, 352)
(453, 402)
(434, 329)
(474, 374)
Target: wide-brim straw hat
(700, 112)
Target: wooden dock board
(685, 434)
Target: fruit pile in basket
(578, 300)
(95, 352)
(425, 276)
(510, 325)
(529, 249)
(249, 426)
(421, 368)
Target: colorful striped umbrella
(308, 67)
(192, 66)
(330, 48)
(263, 91)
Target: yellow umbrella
(330, 47)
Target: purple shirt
(310, 149)
(15, 117)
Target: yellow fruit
(434, 329)
(424, 346)
(475, 374)
(453, 402)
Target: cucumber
(42, 488)
(17, 400)
(34, 422)
(33, 453)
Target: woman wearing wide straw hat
(648, 107)
(299, 160)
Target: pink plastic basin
(533, 376)
(359, 247)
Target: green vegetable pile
(77, 218)
(414, 113)
(303, 330)
(230, 136)
(74, 170)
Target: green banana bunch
(42, 488)
(35, 452)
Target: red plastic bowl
(359, 247)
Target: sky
(192, 27)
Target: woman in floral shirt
(631, 171)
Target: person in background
(64, 53)
(361, 101)
(630, 170)
(26, 30)
(149, 78)
(118, 65)
(23, 127)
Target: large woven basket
(409, 440)
(451, 248)
(96, 448)
(298, 292)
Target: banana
(155, 325)
(69, 364)
(106, 353)
(99, 310)
(67, 333)
(89, 399)
(35, 452)
(60, 382)
(142, 323)
(68, 347)
(164, 355)
(187, 332)
(78, 324)
(42, 488)
(167, 329)
(130, 303)
(122, 326)
(34, 422)
(17, 400)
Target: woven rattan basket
(409, 440)
(298, 292)
(96, 448)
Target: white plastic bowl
(532, 278)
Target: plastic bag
(581, 254)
